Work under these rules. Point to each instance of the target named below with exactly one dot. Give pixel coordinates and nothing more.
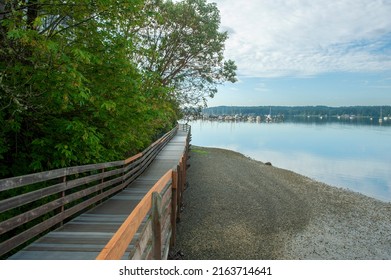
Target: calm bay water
(349, 155)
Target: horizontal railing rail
(34, 203)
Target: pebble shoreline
(238, 208)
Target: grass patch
(198, 151)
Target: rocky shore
(239, 208)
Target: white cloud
(261, 87)
(302, 37)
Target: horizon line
(342, 106)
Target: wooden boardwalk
(84, 237)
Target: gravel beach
(238, 208)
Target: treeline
(367, 111)
(94, 81)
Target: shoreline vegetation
(239, 208)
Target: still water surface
(353, 156)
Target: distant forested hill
(370, 111)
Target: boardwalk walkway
(84, 237)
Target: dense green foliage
(74, 88)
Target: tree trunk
(32, 13)
(2, 9)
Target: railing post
(174, 205)
(156, 226)
(123, 166)
(184, 161)
(64, 180)
(102, 181)
(179, 190)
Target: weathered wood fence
(154, 218)
(40, 202)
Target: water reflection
(352, 156)
(372, 178)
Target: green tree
(69, 92)
(90, 81)
(182, 44)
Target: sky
(307, 52)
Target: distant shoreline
(239, 208)
(365, 111)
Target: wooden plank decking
(86, 235)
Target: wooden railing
(35, 203)
(154, 218)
